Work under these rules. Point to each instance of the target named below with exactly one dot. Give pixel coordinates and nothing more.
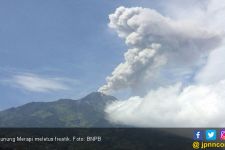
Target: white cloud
(212, 71)
(192, 44)
(193, 106)
(36, 83)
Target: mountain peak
(85, 112)
(100, 94)
(94, 96)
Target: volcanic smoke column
(161, 51)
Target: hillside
(85, 112)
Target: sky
(52, 49)
(162, 58)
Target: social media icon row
(210, 135)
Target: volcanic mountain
(84, 112)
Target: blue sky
(52, 49)
(64, 43)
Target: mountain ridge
(84, 112)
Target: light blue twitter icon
(210, 135)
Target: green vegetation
(85, 112)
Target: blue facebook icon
(198, 135)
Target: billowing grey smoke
(161, 50)
(163, 54)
